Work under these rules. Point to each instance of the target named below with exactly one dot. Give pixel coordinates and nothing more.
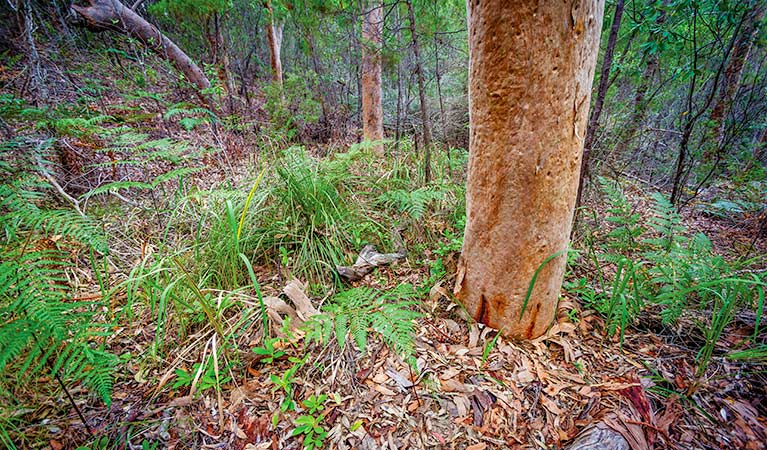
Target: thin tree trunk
(274, 38)
(324, 95)
(398, 121)
(112, 15)
(640, 101)
(372, 109)
(357, 71)
(422, 96)
(222, 63)
(604, 79)
(691, 119)
(760, 147)
(442, 107)
(734, 71)
(37, 73)
(531, 67)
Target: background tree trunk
(531, 67)
(734, 71)
(604, 80)
(422, 96)
(372, 109)
(641, 101)
(274, 37)
(112, 15)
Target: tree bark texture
(531, 67)
(604, 80)
(422, 96)
(648, 77)
(372, 109)
(113, 15)
(734, 70)
(274, 37)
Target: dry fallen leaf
(480, 446)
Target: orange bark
(530, 74)
(372, 109)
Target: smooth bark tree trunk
(442, 108)
(604, 80)
(531, 67)
(372, 109)
(113, 15)
(422, 96)
(274, 37)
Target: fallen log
(100, 15)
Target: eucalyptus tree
(372, 108)
(530, 74)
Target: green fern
(666, 222)
(626, 222)
(413, 203)
(41, 327)
(76, 126)
(193, 115)
(355, 311)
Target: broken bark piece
(368, 259)
(276, 307)
(599, 437)
(295, 292)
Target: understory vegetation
(170, 259)
(194, 264)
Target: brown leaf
(480, 446)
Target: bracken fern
(355, 311)
(41, 326)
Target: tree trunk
(734, 71)
(325, 95)
(691, 117)
(760, 148)
(531, 67)
(112, 15)
(37, 73)
(274, 37)
(442, 108)
(222, 62)
(640, 101)
(398, 121)
(604, 79)
(422, 96)
(372, 109)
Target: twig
(59, 189)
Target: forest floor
(470, 389)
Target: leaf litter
(469, 390)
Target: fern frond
(356, 311)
